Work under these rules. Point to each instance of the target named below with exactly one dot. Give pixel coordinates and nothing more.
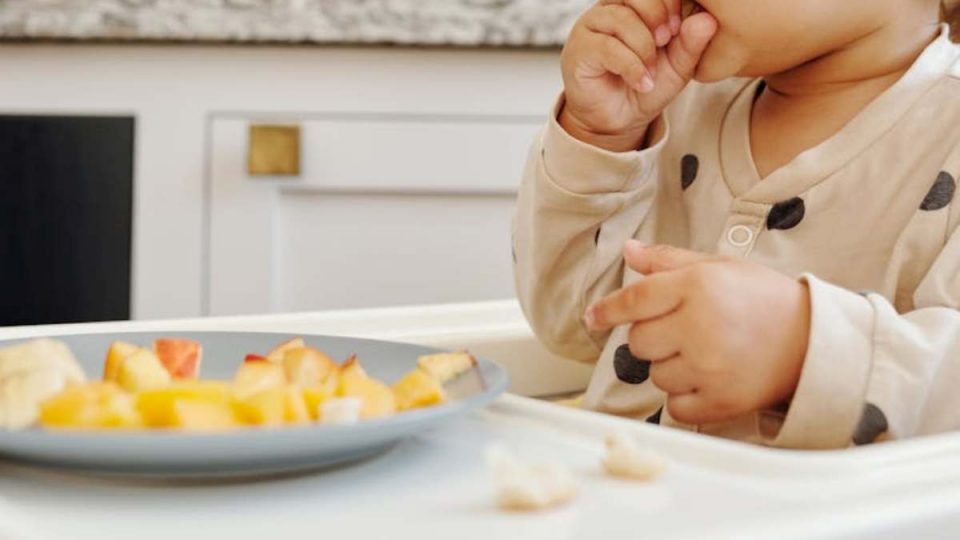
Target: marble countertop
(462, 23)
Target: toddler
(743, 211)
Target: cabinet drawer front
(413, 152)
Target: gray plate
(253, 451)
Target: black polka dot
(689, 167)
(872, 424)
(655, 417)
(629, 368)
(787, 214)
(596, 237)
(940, 194)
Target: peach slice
(181, 357)
(116, 354)
(295, 406)
(276, 355)
(255, 377)
(307, 367)
(142, 371)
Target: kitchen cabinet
(386, 210)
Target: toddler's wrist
(624, 140)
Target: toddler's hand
(624, 62)
(725, 336)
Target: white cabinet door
(387, 210)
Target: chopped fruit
(315, 396)
(193, 415)
(295, 406)
(40, 354)
(625, 460)
(181, 357)
(306, 366)
(276, 355)
(377, 397)
(266, 408)
(142, 371)
(157, 406)
(526, 487)
(254, 358)
(22, 393)
(116, 354)
(417, 389)
(255, 377)
(95, 405)
(446, 366)
(341, 411)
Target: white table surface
(436, 486)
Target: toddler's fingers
(624, 24)
(674, 377)
(660, 258)
(617, 58)
(646, 299)
(656, 17)
(674, 17)
(685, 51)
(656, 339)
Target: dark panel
(66, 194)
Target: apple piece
(306, 366)
(254, 358)
(377, 397)
(266, 408)
(181, 357)
(418, 389)
(142, 371)
(340, 411)
(276, 355)
(446, 366)
(195, 415)
(116, 354)
(255, 377)
(158, 406)
(97, 405)
(295, 406)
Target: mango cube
(266, 408)
(96, 405)
(377, 397)
(195, 415)
(158, 407)
(417, 389)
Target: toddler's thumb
(685, 51)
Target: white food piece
(520, 486)
(21, 395)
(626, 460)
(341, 411)
(446, 366)
(40, 355)
(31, 373)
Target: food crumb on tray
(625, 459)
(528, 487)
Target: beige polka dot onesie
(868, 218)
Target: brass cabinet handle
(273, 150)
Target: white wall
(175, 90)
